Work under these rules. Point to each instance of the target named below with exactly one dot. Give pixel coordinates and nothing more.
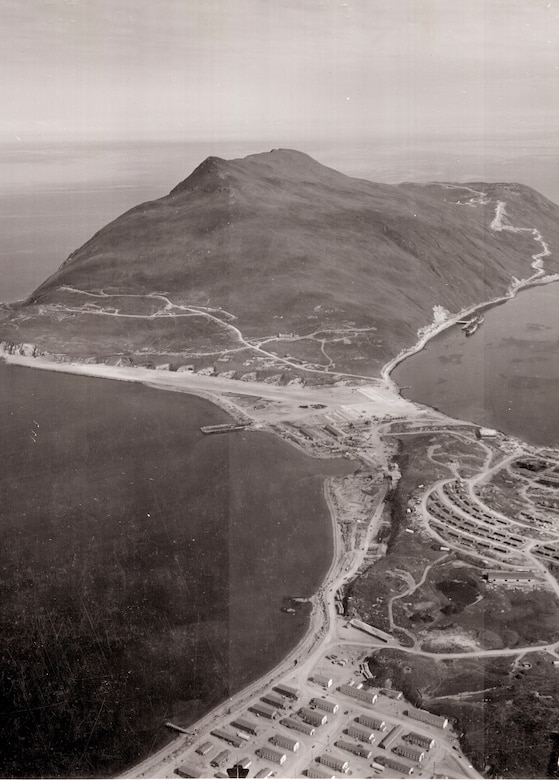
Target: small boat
(472, 325)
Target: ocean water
(505, 376)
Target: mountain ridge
(285, 244)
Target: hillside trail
(500, 223)
(223, 321)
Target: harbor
(464, 377)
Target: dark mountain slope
(288, 245)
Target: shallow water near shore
(505, 376)
(144, 565)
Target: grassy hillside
(287, 245)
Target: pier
(227, 428)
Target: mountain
(274, 247)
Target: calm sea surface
(143, 565)
(504, 376)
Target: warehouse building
(298, 725)
(264, 773)
(263, 710)
(390, 738)
(391, 763)
(410, 752)
(361, 733)
(423, 716)
(495, 575)
(280, 740)
(221, 758)
(205, 748)
(274, 700)
(371, 722)
(245, 725)
(376, 632)
(322, 679)
(287, 690)
(269, 754)
(226, 736)
(419, 739)
(317, 771)
(325, 704)
(333, 762)
(184, 770)
(362, 694)
(351, 747)
(313, 717)
(486, 433)
(391, 693)
(333, 431)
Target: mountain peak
(278, 165)
(287, 164)
(210, 176)
(285, 156)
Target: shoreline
(426, 337)
(517, 285)
(309, 642)
(434, 329)
(319, 618)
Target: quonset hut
(313, 717)
(298, 725)
(362, 694)
(427, 717)
(325, 704)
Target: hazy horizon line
(282, 140)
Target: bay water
(143, 566)
(505, 376)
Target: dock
(209, 429)
(174, 727)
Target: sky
(85, 70)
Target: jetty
(174, 727)
(209, 429)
